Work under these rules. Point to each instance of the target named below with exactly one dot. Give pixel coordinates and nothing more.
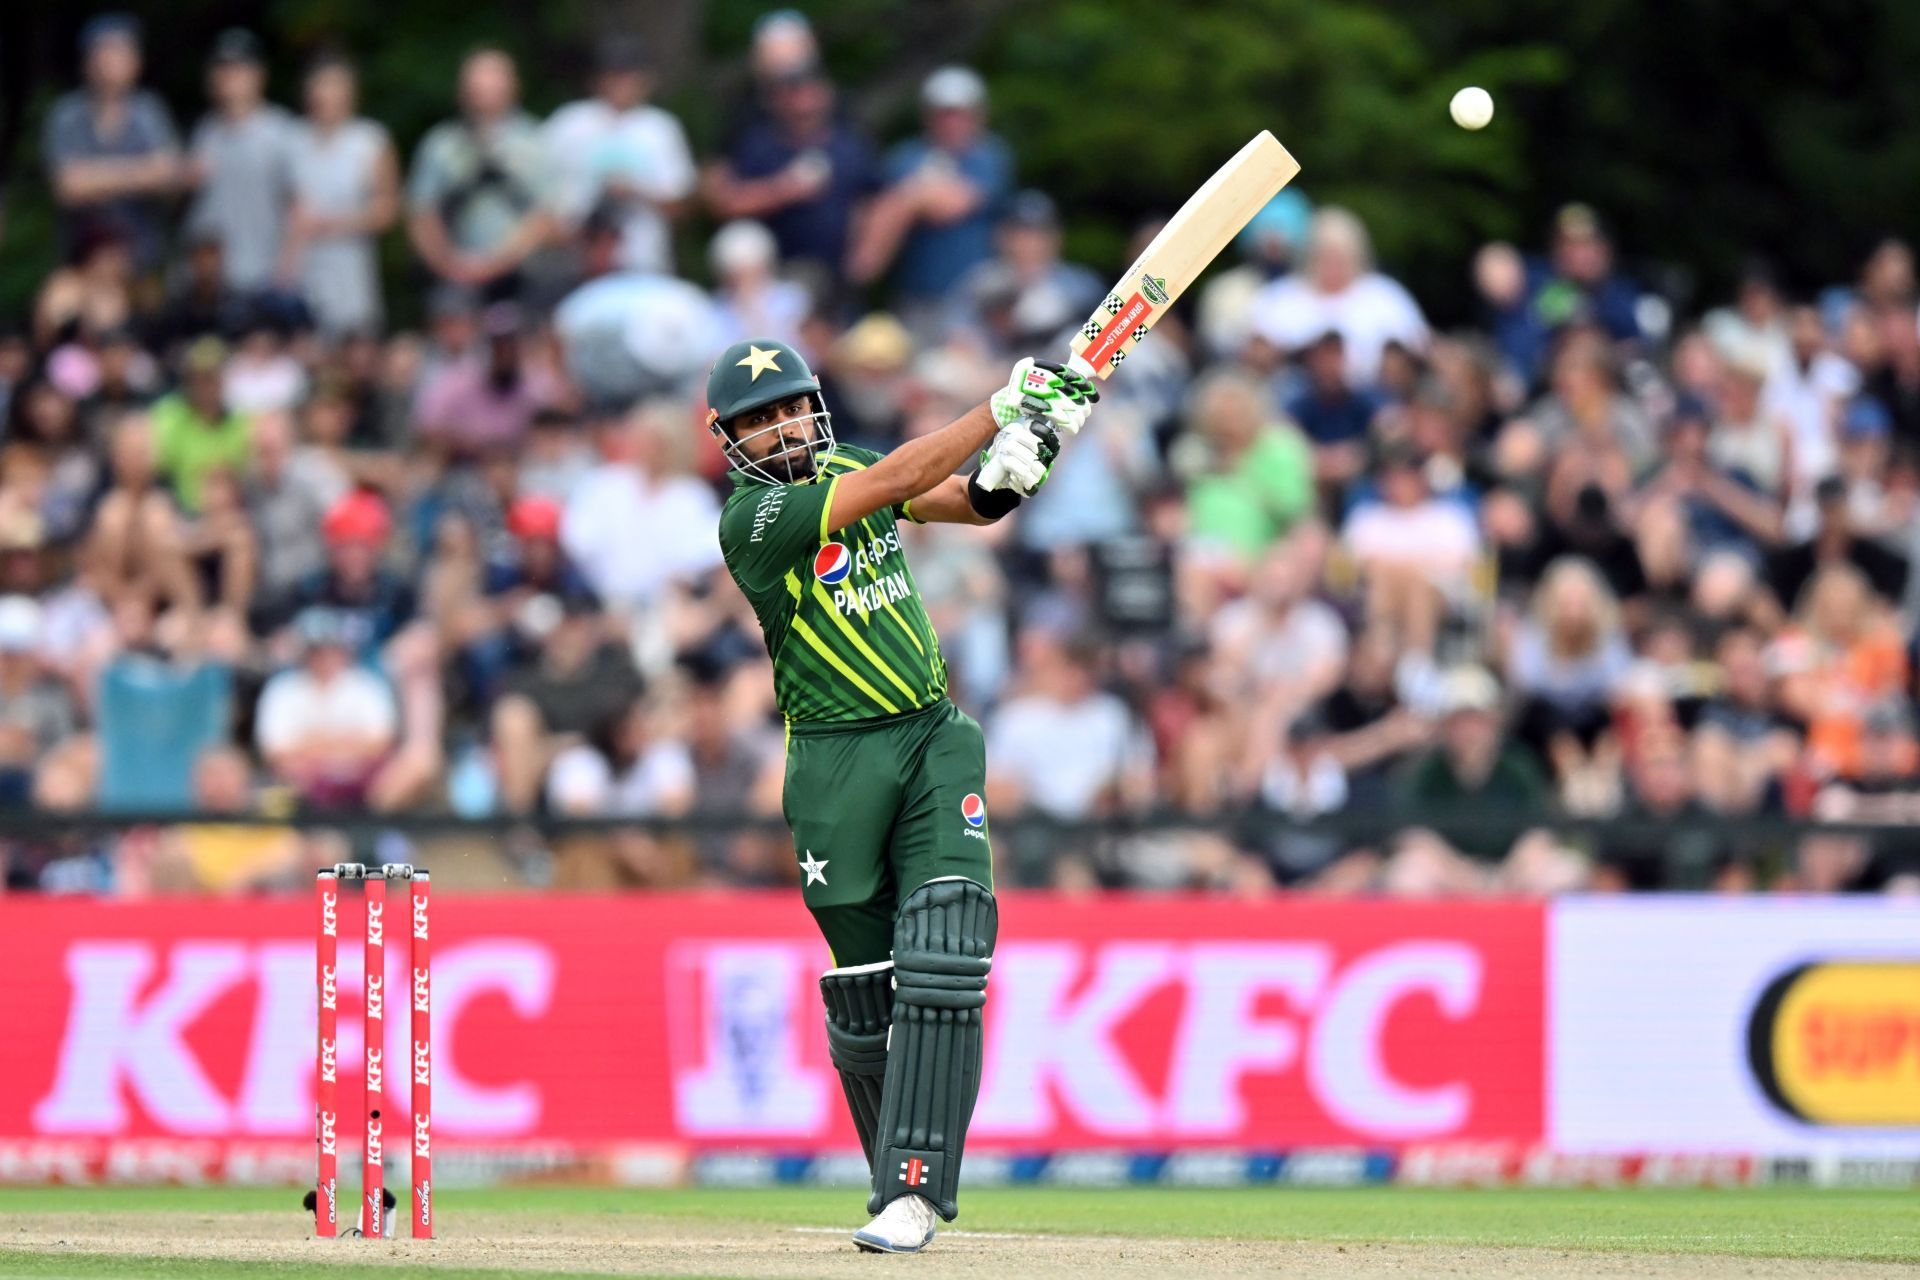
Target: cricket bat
(1174, 259)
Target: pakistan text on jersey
(876, 594)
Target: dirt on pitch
(637, 1244)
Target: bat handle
(993, 474)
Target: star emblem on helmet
(760, 360)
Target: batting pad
(942, 948)
(859, 1002)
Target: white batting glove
(1020, 456)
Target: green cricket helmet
(755, 373)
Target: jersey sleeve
(770, 534)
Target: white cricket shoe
(904, 1226)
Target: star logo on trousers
(816, 868)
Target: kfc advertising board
(176, 1039)
(694, 1022)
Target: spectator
(487, 402)
(1840, 655)
(1415, 552)
(135, 545)
(264, 375)
(1338, 290)
(1743, 745)
(284, 508)
(48, 422)
(479, 197)
(1062, 746)
(1267, 245)
(220, 545)
(1579, 282)
(1673, 843)
(1715, 509)
(801, 170)
(326, 727)
(200, 303)
(617, 156)
(1835, 540)
(37, 713)
(241, 163)
(346, 183)
(228, 858)
(1566, 659)
(112, 155)
(92, 295)
(750, 296)
(1748, 440)
(1475, 773)
(641, 495)
(1249, 478)
(1335, 414)
(579, 677)
(366, 600)
(943, 195)
(1587, 408)
(631, 766)
(195, 432)
(165, 699)
(627, 336)
(1024, 294)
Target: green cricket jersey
(842, 617)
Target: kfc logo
(329, 987)
(330, 914)
(419, 917)
(376, 1079)
(329, 1061)
(376, 924)
(329, 1135)
(422, 989)
(376, 997)
(422, 1142)
(374, 1154)
(422, 1066)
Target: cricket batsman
(885, 776)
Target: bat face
(1192, 238)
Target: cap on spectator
(1032, 209)
(358, 517)
(19, 624)
(236, 45)
(204, 355)
(1283, 218)
(320, 627)
(740, 245)
(953, 88)
(1689, 408)
(877, 341)
(1578, 222)
(109, 26)
(1830, 490)
(534, 519)
(1866, 419)
(1469, 688)
(22, 530)
(616, 54)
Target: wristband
(991, 503)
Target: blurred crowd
(264, 553)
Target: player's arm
(910, 471)
(1025, 415)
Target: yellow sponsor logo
(1837, 1042)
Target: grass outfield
(107, 1232)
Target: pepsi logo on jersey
(832, 563)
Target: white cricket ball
(1472, 108)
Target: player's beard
(795, 458)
